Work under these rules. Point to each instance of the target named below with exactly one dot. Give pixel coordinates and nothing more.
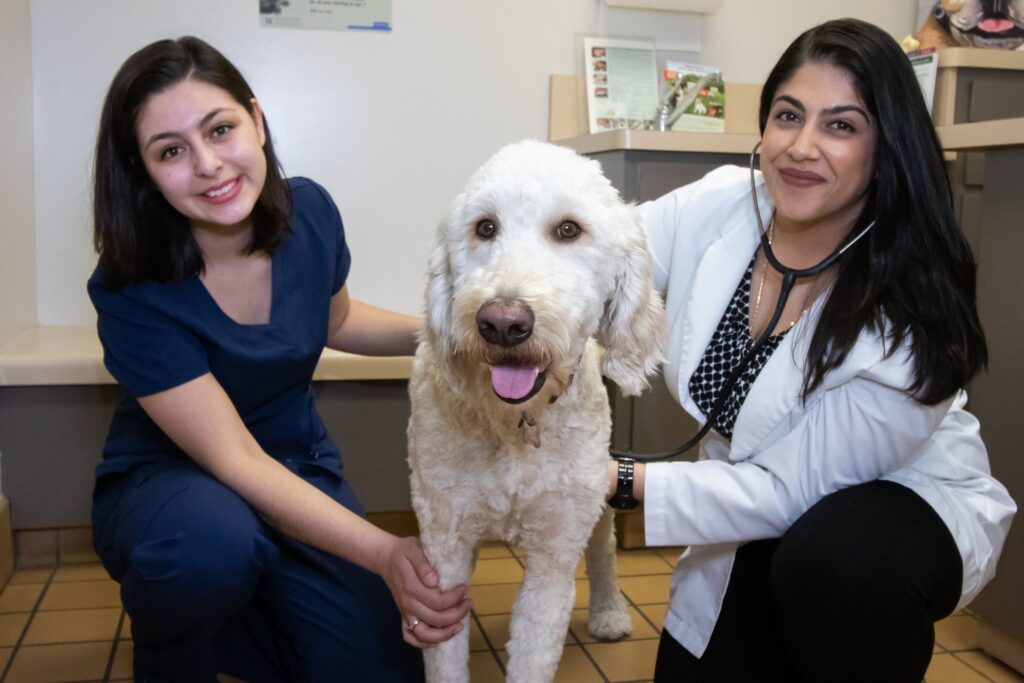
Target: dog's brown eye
(567, 230)
(486, 228)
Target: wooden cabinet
(995, 395)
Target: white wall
(392, 124)
(746, 37)
(17, 210)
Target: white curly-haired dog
(510, 426)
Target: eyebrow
(202, 123)
(831, 111)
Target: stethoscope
(789, 278)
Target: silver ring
(412, 624)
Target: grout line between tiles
(501, 665)
(480, 626)
(629, 600)
(670, 565)
(113, 648)
(487, 641)
(24, 631)
(968, 665)
(586, 653)
(597, 667)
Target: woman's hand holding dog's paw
(431, 615)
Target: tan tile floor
(66, 624)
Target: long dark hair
(913, 277)
(137, 234)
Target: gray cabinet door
(995, 395)
(654, 422)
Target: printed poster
(621, 78)
(327, 15)
(699, 97)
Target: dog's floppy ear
(439, 291)
(439, 327)
(633, 327)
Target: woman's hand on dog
(434, 615)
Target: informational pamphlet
(697, 94)
(926, 68)
(330, 15)
(621, 78)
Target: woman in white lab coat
(843, 500)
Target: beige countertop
(958, 137)
(70, 354)
(55, 355)
(978, 58)
(982, 135)
(651, 140)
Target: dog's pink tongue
(995, 25)
(510, 382)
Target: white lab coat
(786, 454)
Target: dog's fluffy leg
(540, 617)
(449, 661)
(609, 615)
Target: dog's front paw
(611, 621)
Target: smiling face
(204, 153)
(817, 150)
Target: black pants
(849, 593)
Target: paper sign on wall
(329, 15)
(621, 78)
(926, 68)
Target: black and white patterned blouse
(729, 344)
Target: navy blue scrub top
(158, 335)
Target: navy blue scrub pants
(211, 588)
(850, 593)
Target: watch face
(623, 501)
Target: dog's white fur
(477, 472)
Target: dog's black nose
(504, 324)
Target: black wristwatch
(623, 498)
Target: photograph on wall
(621, 78)
(699, 97)
(327, 15)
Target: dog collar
(528, 428)
(567, 385)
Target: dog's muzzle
(507, 325)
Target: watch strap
(623, 498)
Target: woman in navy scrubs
(220, 504)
